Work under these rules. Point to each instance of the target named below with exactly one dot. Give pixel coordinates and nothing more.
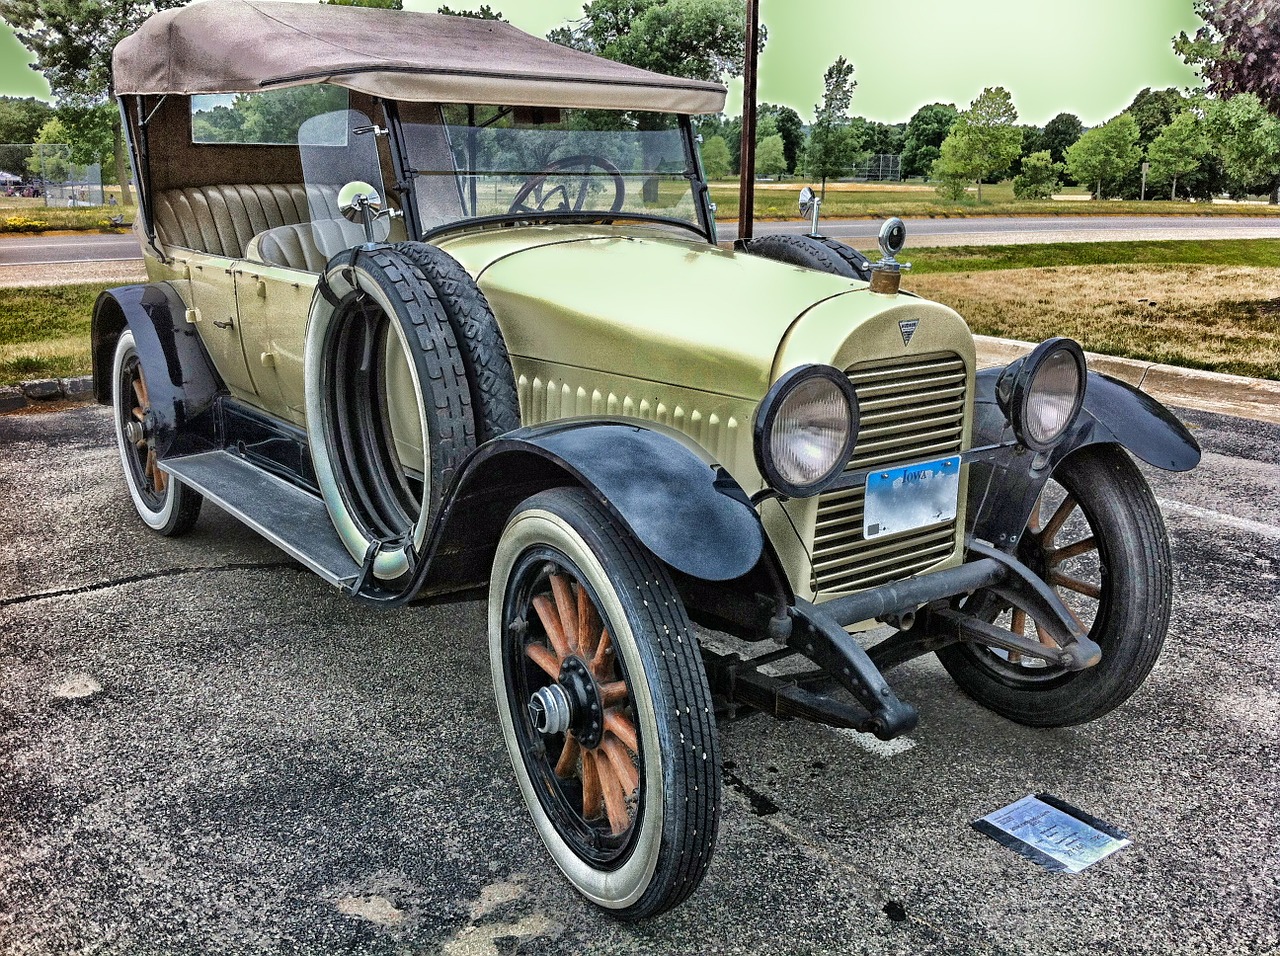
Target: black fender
(182, 383)
(1003, 491)
(685, 509)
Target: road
(270, 767)
(61, 250)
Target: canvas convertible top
(241, 46)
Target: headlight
(805, 430)
(1041, 394)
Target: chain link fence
(45, 171)
(882, 167)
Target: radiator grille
(912, 410)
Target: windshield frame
(704, 228)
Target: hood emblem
(908, 329)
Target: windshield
(536, 164)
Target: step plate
(290, 518)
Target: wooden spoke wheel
(163, 503)
(1097, 537)
(604, 705)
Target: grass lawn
(871, 200)
(31, 215)
(1210, 305)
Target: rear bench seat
(270, 224)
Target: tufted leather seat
(309, 245)
(222, 220)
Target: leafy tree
(984, 138)
(789, 126)
(953, 170)
(1032, 142)
(484, 13)
(51, 160)
(1061, 133)
(924, 135)
(1039, 177)
(833, 148)
(72, 41)
(1247, 139)
(1177, 151)
(1106, 154)
(1237, 50)
(21, 119)
(771, 157)
(376, 4)
(1153, 110)
(88, 132)
(716, 161)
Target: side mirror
(809, 206)
(359, 202)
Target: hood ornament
(886, 275)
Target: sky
(1088, 57)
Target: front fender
(1003, 492)
(690, 513)
(182, 384)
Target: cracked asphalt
(205, 749)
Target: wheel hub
(550, 710)
(572, 703)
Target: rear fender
(1003, 492)
(182, 384)
(686, 510)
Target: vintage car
(438, 308)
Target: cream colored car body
(624, 322)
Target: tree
(771, 159)
(953, 169)
(716, 161)
(484, 13)
(790, 128)
(21, 119)
(924, 135)
(1153, 110)
(1106, 154)
(1032, 142)
(1237, 50)
(1039, 177)
(72, 41)
(1061, 133)
(51, 160)
(984, 138)
(1247, 138)
(831, 149)
(1178, 151)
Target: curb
(1253, 398)
(14, 397)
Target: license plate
(910, 497)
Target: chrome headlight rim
(1016, 389)
(766, 416)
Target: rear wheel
(1097, 537)
(165, 505)
(604, 705)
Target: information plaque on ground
(1058, 836)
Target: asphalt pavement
(203, 748)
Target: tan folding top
(240, 46)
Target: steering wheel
(533, 187)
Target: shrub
(1039, 177)
(23, 224)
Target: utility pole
(747, 184)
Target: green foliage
(716, 161)
(273, 116)
(1247, 139)
(375, 4)
(1177, 151)
(952, 170)
(924, 135)
(1061, 133)
(983, 141)
(1039, 177)
(771, 159)
(1106, 154)
(1153, 110)
(21, 119)
(1237, 50)
(789, 126)
(833, 145)
(88, 131)
(51, 158)
(484, 13)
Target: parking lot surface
(204, 748)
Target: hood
(642, 303)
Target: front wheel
(604, 705)
(165, 504)
(1096, 535)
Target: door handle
(223, 325)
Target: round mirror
(357, 200)
(893, 236)
(807, 196)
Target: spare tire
(813, 252)
(388, 407)
(484, 352)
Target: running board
(293, 520)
